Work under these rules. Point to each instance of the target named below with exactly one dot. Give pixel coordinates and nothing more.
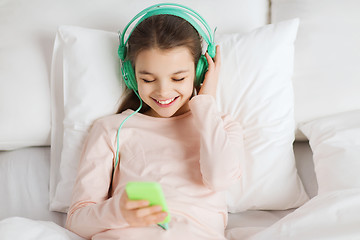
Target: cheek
(143, 90)
(189, 88)
(186, 90)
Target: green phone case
(150, 191)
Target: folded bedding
(331, 216)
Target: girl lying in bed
(178, 139)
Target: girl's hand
(139, 214)
(212, 75)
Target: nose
(163, 87)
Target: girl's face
(165, 80)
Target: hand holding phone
(144, 204)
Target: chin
(162, 114)
(167, 112)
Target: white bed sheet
(24, 188)
(24, 174)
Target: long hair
(163, 32)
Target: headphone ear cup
(129, 75)
(201, 68)
(122, 52)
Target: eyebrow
(149, 73)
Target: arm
(92, 210)
(221, 138)
(221, 143)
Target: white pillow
(265, 72)
(255, 87)
(86, 67)
(327, 57)
(335, 142)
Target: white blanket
(17, 228)
(331, 216)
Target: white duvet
(335, 215)
(17, 228)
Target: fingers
(147, 216)
(155, 218)
(209, 85)
(138, 212)
(148, 211)
(135, 204)
(216, 60)
(209, 60)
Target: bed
(290, 75)
(27, 177)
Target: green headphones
(169, 9)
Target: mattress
(24, 174)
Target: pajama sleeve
(92, 210)
(221, 143)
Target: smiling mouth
(165, 103)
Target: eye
(147, 81)
(178, 79)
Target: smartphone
(152, 192)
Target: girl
(178, 140)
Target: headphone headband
(170, 9)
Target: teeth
(166, 101)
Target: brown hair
(163, 32)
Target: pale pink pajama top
(194, 156)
